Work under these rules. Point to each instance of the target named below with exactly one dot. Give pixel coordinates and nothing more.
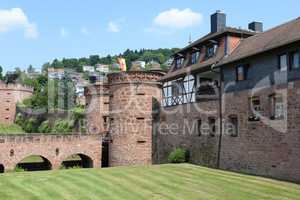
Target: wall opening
(105, 154)
(1, 169)
(77, 161)
(35, 163)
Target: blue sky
(38, 31)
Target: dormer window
(195, 57)
(211, 50)
(179, 62)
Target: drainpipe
(220, 114)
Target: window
(199, 127)
(294, 60)
(283, 62)
(179, 91)
(254, 109)
(241, 72)
(277, 107)
(206, 87)
(189, 88)
(212, 126)
(179, 62)
(167, 92)
(211, 51)
(195, 57)
(232, 126)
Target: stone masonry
(54, 148)
(10, 95)
(133, 96)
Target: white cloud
(63, 32)
(14, 19)
(113, 27)
(175, 18)
(84, 31)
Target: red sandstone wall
(131, 100)
(10, 95)
(179, 128)
(265, 147)
(97, 108)
(46, 145)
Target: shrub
(45, 127)
(178, 156)
(19, 169)
(31, 125)
(63, 126)
(19, 119)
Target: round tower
(133, 95)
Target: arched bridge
(54, 151)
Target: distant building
(56, 73)
(169, 62)
(140, 64)
(102, 68)
(88, 68)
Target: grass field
(182, 182)
(11, 129)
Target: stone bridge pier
(53, 149)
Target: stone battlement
(134, 77)
(29, 138)
(17, 87)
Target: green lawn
(10, 129)
(182, 182)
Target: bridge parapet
(55, 148)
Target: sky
(38, 31)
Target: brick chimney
(218, 21)
(256, 26)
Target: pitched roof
(210, 36)
(276, 37)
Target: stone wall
(132, 96)
(10, 95)
(179, 128)
(266, 147)
(97, 108)
(55, 148)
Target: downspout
(220, 114)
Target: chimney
(256, 26)
(218, 21)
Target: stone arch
(2, 169)
(78, 160)
(34, 163)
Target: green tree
(1, 71)
(30, 69)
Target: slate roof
(276, 37)
(281, 35)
